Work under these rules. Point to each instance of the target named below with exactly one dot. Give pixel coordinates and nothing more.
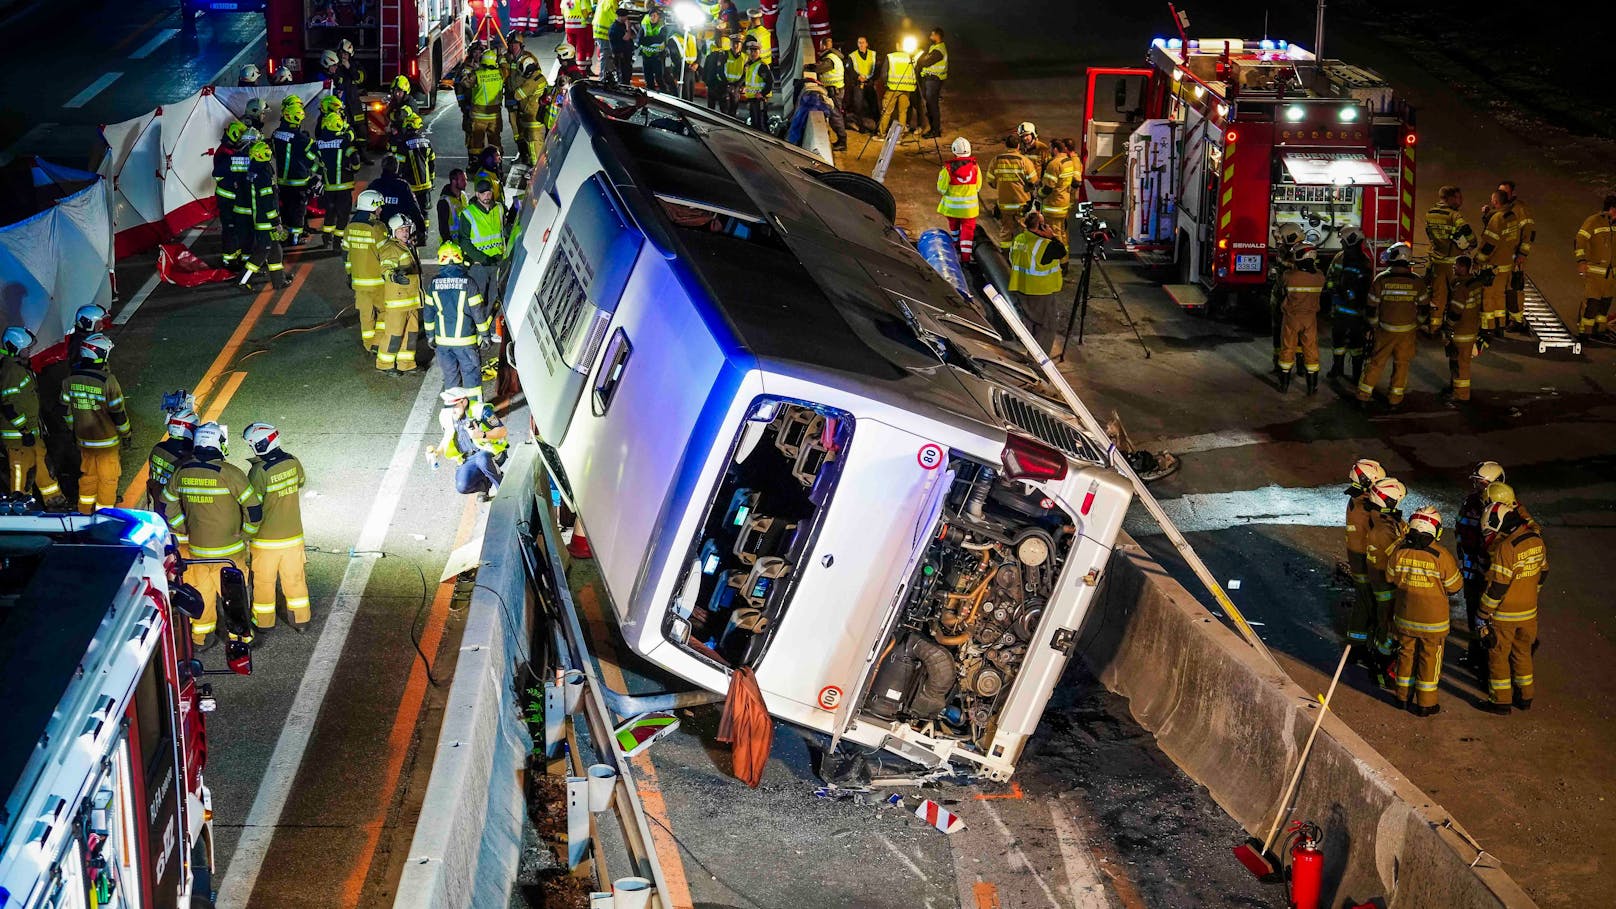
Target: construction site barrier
(1234, 724)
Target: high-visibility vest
(757, 80)
(687, 48)
(901, 72)
(605, 16)
(486, 229)
(495, 447)
(1028, 274)
(765, 42)
(485, 94)
(833, 72)
(572, 14)
(864, 63)
(734, 67)
(940, 68)
(959, 198)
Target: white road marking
(25, 141)
(95, 88)
(276, 785)
(1319, 506)
(1212, 441)
(157, 41)
(1082, 875)
(1017, 856)
(249, 47)
(907, 861)
(129, 309)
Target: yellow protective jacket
(210, 500)
(1033, 270)
(1596, 245)
(1358, 520)
(397, 260)
(19, 399)
(1462, 321)
(1395, 298)
(1384, 531)
(360, 240)
(1012, 174)
(1303, 290)
(1518, 563)
(530, 106)
(1450, 236)
(1060, 181)
(901, 75)
(959, 181)
(278, 480)
(487, 92)
(1510, 232)
(1423, 575)
(95, 407)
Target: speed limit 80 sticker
(930, 456)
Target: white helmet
(211, 435)
(250, 73)
(397, 223)
(1351, 237)
(1026, 129)
(16, 340)
(369, 200)
(89, 317)
(1305, 254)
(961, 147)
(96, 348)
(1494, 516)
(181, 424)
(262, 437)
(1399, 253)
(329, 58)
(1487, 473)
(346, 47)
(1365, 472)
(451, 395)
(1386, 493)
(1426, 520)
(566, 53)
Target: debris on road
(939, 817)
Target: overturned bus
(794, 446)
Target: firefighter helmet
(369, 200)
(89, 317)
(260, 152)
(1365, 472)
(566, 53)
(1290, 235)
(333, 122)
(291, 101)
(1351, 237)
(1026, 129)
(1386, 493)
(329, 58)
(1426, 520)
(961, 147)
(96, 348)
(1400, 253)
(346, 47)
(331, 104)
(1495, 519)
(490, 58)
(754, 13)
(529, 66)
(401, 83)
(398, 222)
(181, 424)
(234, 130)
(452, 395)
(262, 438)
(250, 73)
(1305, 254)
(212, 435)
(292, 117)
(1487, 473)
(1499, 494)
(255, 109)
(449, 253)
(16, 340)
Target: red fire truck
(101, 763)
(1207, 154)
(422, 39)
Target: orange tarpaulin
(747, 727)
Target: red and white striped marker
(939, 817)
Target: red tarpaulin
(176, 264)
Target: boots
(1338, 367)
(1285, 380)
(1313, 383)
(1357, 369)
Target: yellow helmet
(1499, 494)
(330, 104)
(260, 151)
(401, 82)
(333, 122)
(292, 117)
(449, 253)
(490, 58)
(291, 101)
(234, 131)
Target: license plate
(1250, 263)
(223, 6)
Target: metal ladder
(1549, 329)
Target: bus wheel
(870, 192)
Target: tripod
(1094, 238)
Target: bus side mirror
(238, 655)
(184, 598)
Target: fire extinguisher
(1306, 878)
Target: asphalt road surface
(1262, 472)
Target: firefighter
(1365, 473)
(401, 319)
(1450, 236)
(451, 202)
(398, 106)
(352, 85)
(933, 65)
(457, 322)
(1059, 183)
(577, 17)
(170, 454)
(1288, 239)
(1386, 527)
(1032, 146)
(361, 240)
(734, 74)
(1473, 551)
(1035, 257)
(418, 163)
(209, 500)
(266, 220)
(230, 164)
(861, 104)
(343, 91)
(251, 77)
(530, 97)
(902, 81)
(283, 73)
(96, 414)
(712, 74)
(19, 407)
(476, 440)
(518, 57)
(480, 235)
(757, 84)
(1518, 563)
(568, 71)
(960, 181)
(1424, 575)
(1013, 175)
(757, 30)
(1395, 299)
(1299, 311)
(338, 164)
(88, 320)
(1347, 286)
(652, 44)
(1505, 244)
(277, 478)
(1596, 264)
(1461, 325)
(487, 91)
(253, 116)
(295, 166)
(398, 197)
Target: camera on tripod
(1095, 232)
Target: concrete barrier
(1222, 713)
(468, 839)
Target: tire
(869, 191)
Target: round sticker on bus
(930, 456)
(830, 697)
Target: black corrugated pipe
(937, 667)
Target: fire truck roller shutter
(1334, 169)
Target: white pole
(1121, 465)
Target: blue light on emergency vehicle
(1158, 42)
(1175, 43)
(1283, 44)
(1266, 44)
(140, 527)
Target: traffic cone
(578, 546)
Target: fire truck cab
(1218, 145)
(101, 766)
(421, 39)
